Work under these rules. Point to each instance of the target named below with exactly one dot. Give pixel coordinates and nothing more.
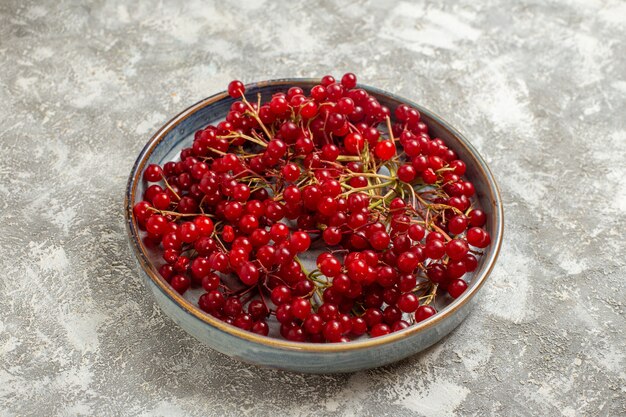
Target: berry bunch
(387, 203)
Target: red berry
(456, 287)
(477, 218)
(354, 143)
(300, 241)
(380, 329)
(300, 308)
(281, 295)
(313, 324)
(477, 237)
(261, 328)
(188, 232)
(180, 283)
(236, 89)
(204, 224)
(406, 173)
(408, 303)
(385, 150)
(248, 273)
(332, 331)
(156, 224)
(380, 240)
(416, 232)
(424, 312)
(348, 80)
(470, 262)
(435, 249)
(153, 173)
(329, 266)
(291, 172)
(457, 224)
(456, 249)
(407, 262)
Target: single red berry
(429, 176)
(456, 288)
(153, 173)
(380, 240)
(141, 211)
(385, 150)
(477, 237)
(308, 110)
(406, 173)
(291, 172)
(470, 262)
(348, 80)
(180, 283)
(228, 233)
(399, 325)
(244, 321)
(354, 143)
(408, 302)
(213, 300)
(161, 201)
(232, 307)
(457, 249)
(210, 282)
(188, 232)
(380, 329)
(327, 80)
(280, 295)
(204, 224)
(359, 326)
(167, 272)
(248, 273)
(300, 308)
(300, 242)
(407, 262)
(332, 331)
(236, 89)
(435, 249)
(156, 225)
(477, 218)
(424, 312)
(329, 266)
(257, 309)
(279, 106)
(313, 324)
(457, 224)
(416, 232)
(455, 269)
(458, 167)
(260, 327)
(248, 223)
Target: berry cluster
(387, 203)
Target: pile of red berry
(387, 203)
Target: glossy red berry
(424, 312)
(348, 80)
(153, 173)
(236, 89)
(408, 302)
(380, 329)
(354, 143)
(300, 241)
(180, 283)
(281, 295)
(385, 150)
(456, 287)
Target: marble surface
(538, 86)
